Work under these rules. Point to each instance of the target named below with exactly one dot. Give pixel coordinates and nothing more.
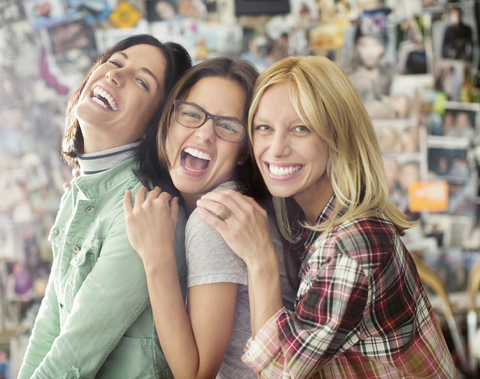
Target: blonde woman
(361, 310)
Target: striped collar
(94, 163)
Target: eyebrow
(144, 69)
(294, 121)
(229, 117)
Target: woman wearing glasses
(202, 140)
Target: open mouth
(283, 171)
(102, 97)
(195, 160)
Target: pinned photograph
(44, 14)
(401, 173)
(460, 120)
(398, 136)
(413, 54)
(11, 11)
(73, 46)
(449, 159)
(449, 75)
(454, 34)
(161, 10)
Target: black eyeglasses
(191, 115)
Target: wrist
(265, 267)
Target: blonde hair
(327, 102)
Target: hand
(151, 223)
(246, 230)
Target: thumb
(127, 201)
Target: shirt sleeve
(111, 298)
(331, 302)
(209, 259)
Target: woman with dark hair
(96, 319)
(202, 141)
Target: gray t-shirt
(210, 260)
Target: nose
(205, 132)
(116, 76)
(280, 145)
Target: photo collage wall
(414, 63)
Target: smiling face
(120, 97)
(291, 156)
(200, 161)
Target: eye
(262, 128)
(188, 113)
(143, 83)
(301, 129)
(115, 63)
(229, 126)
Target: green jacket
(95, 320)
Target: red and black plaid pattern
(361, 311)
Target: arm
(332, 297)
(247, 232)
(194, 343)
(115, 286)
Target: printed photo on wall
(11, 11)
(401, 172)
(413, 53)
(449, 75)
(73, 45)
(399, 136)
(454, 34)
(92, 11)
(43, 14)
(460, 120)
(449, 159)
(161, 10)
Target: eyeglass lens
(193, 117)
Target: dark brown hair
(178, 61)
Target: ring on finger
(224, 214)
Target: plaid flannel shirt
(361, 311)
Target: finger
(127, 201)
(212, 220)
(66, 185)
(140, 196)
(154, 193)
(211, 206)
(165, 196)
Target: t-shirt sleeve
(209, 259)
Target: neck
(313, 208)
(190, 202)
(93, 163)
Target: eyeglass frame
(208, 116)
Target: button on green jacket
(95, 320)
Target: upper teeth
(197, 153)
(282, 171)
(100, 91)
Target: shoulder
(367, 240)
